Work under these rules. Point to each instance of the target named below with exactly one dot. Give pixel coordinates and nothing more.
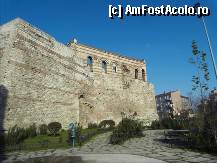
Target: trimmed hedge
(107, 124)
(54, 128)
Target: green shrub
(155, 125)
(43, 129)
(92, 125)
(204, 130)
(167, 123)
(15, 135)
(31, 131)
(176, 123)
(126, 129)
(107, 124)
(54, 128)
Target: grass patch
(42, 142)
(61, 141)
(87, 131)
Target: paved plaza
(146, 146)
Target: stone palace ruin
(42, 81)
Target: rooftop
(166, 93)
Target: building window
(125, 69)
(90, 63)
(89, 60)
(104, 66)
(143, 74)
(136, 73)
(114, 68)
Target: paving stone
(212, 161)
(176, 161)
(170, 158)
(145, 146)
(168, 154)
(198, 159)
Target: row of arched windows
(103, 64)
(114, 67)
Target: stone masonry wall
(42, 76)
(114, 92)
(108, 100)
(45, 81)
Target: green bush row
(176, 123)
(103, 124)
(126, 129)
(17, 135)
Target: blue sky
(164, 42)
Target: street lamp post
(209, 42)
(210, 47)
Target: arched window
(125, 69)
(104, 66)
(90, 63)
(136, 73)
(89, 60)
(114, 68)
(143, 74)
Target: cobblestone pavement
(146, 146)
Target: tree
(201, 78)
(206, 120)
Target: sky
(163, 41)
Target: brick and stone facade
(42, 80)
